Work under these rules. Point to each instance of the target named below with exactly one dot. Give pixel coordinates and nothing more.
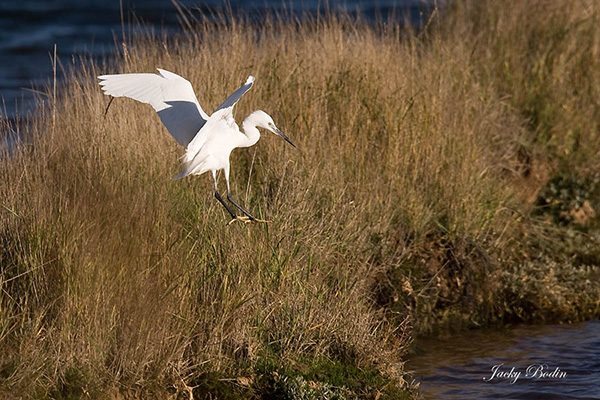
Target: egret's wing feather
(235, 96)
(169, 94)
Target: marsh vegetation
(444, 179)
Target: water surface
(461, 367)
(29, 29)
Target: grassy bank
(442, 180)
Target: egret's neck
(252, 133)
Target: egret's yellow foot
(247, 220)
(241, 218)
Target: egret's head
(264, 120)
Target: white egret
(208, 140)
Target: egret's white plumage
(208, 140)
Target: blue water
(29, 29)
(461, 367)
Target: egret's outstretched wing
(235, 96)
(169, 94)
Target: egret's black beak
(277, 131)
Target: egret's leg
(242, 209)
(249, 217)
(218, 197)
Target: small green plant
(568, 199)
(298, 388)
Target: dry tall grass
(409, 195)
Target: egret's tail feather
(182, 174)
(192, 165)
(187, 169)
